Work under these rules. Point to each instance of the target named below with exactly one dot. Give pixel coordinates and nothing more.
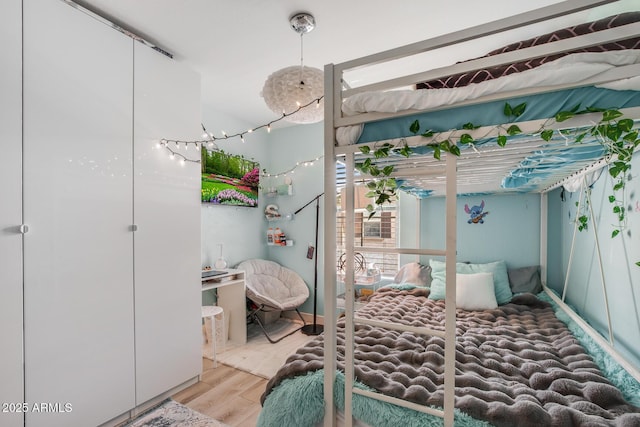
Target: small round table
(211, 311)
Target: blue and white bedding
(538, 164)
(570, 69)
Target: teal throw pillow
(498, 268)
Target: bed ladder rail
(399, 402)
(449, 333)
(399, 327)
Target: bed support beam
(490, 28)
(632, 370)
(399, 327)
(544, 230)
(329, 251)
(349, 292)
(451, 229)
(573, 244)
(406, 251)
(519, 55)
(602, 279)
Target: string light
(208, 136)
(291, 170)
(174, 153)
(209, 139)
(183, 159)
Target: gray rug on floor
(172, 414)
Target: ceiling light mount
(302, 22)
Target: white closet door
(11, 387)
(78, 253)
(167, 214)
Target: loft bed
(388, 363)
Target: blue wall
(286, 147)
(619, 255)
(510, 232)
(242, 231)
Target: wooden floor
(226, 394)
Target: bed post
(544, 230)
(329, 248)
(349, 292)
(450, 293)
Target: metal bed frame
(336, 91)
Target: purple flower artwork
(229, 179)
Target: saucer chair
(273, 288)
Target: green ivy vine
(615, 133)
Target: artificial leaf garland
(615, 133)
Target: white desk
(231, 297)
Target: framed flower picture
(229, 179)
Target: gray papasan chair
(272, 287)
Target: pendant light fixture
(296, 92)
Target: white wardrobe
(99, 228)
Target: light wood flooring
(226, 394)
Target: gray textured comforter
(517, 365)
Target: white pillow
(415, 274)
(475, 291)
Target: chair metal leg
(254, 317)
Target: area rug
(258, 356)
(172, 414)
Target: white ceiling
(236, 44)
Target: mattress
(436, 102)
(518, 361)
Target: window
(378, 231)
(372, 229)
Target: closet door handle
(23, 228)
(134, 227)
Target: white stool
(211, 311)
